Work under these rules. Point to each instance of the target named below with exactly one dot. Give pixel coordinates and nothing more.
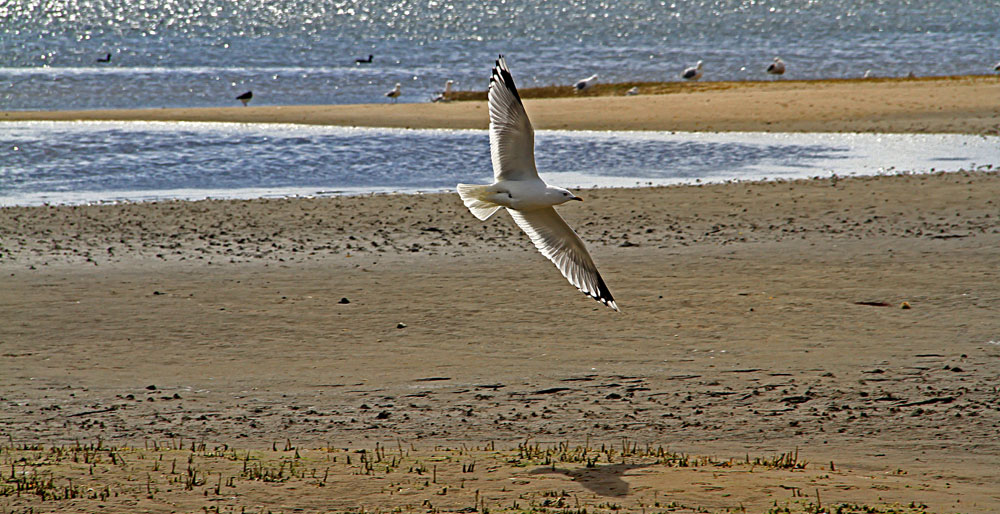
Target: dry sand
(969, 104)
(758, 318)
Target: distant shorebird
(245, 98)
(693, 73)
(364, 61)
(528, 199)
(394, 94)
(444, 96)
(585, 83)
(106, 58)
(869, 74)
(777, 67)
(997, 67)
(632, 92)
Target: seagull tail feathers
(474, 196)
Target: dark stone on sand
(344, 300)
(151, 387)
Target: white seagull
(693, 73)
(777, 67)
(632, 92)
(445, 95)
(528, 199)
(394, 94)
(585, 83)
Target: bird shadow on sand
(603, 480)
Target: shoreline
(922, 105)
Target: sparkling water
(183, 53)
(80, 162)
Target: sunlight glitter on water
(81, 162)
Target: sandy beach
(392, 353)
(758, 318)
(965, 104)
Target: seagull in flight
(394, 94)
(585, 83)
(693, 73)
(528, 199)
(777, 67)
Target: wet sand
(758, 318)
(924, 105)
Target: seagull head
(561, 195)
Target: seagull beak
(578, 198)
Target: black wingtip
(603, 294)
(502, 74)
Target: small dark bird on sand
(245, 98)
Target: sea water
(186, 53)
(88, 162)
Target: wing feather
(559, 243)
(512, 140)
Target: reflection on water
(188, 53)
(107, 161)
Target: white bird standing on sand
(394, 94)
(777, 67)
(693, 73)
(528, 199)
(632, 92)
(585, 83)
(445, 95)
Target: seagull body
(394, 94)
(364, 61)
(106, 58)
(693, 73)
(777, 67)
(445, 95)
(633, 91)
(527, 198)
(245, 98)
(585, 83)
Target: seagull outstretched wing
(512, 140)
(557, 241)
